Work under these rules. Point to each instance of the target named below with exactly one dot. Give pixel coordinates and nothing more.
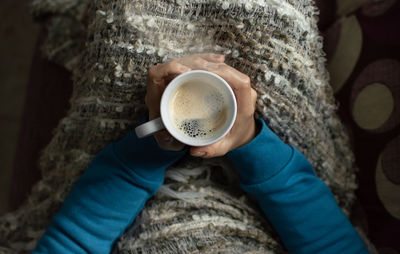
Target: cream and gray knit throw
(109, 46)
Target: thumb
(202, 151)
(214, 150)
(167, 142)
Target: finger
(167, 142)
(239, 82)
(235, 78)
(194, 62)
(215, 150)
(159, 72)
(214, 58)
(200, 61)
(163, 136)
(159, 75)
(152, 101)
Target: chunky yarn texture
(109, 46)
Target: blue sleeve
(299, 205)
(107, 197)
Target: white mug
(165, 122)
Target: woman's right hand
(244, 129)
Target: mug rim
(173, 85)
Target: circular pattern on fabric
(377, 8)
(391, 161)
(347, 52)
(388, 192)
(372, 99)
(373, 106)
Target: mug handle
(149, 128)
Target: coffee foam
(198, 109)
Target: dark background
(18, 35)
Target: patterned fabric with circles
(363, 52)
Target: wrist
(254, 130)
(251, 131)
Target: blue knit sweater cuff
(261, 158)
(145, 157)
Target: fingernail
(199, 154)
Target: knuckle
(152, 70)
(213, 56)
(247, 82)
(220, 68)
(172, 65)
(223, 66)
(254, 95)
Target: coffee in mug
(198, 109)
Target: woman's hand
(244, 128)
(158, 78)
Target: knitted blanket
(109, 46)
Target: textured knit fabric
(126, 174)
(109, 46)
